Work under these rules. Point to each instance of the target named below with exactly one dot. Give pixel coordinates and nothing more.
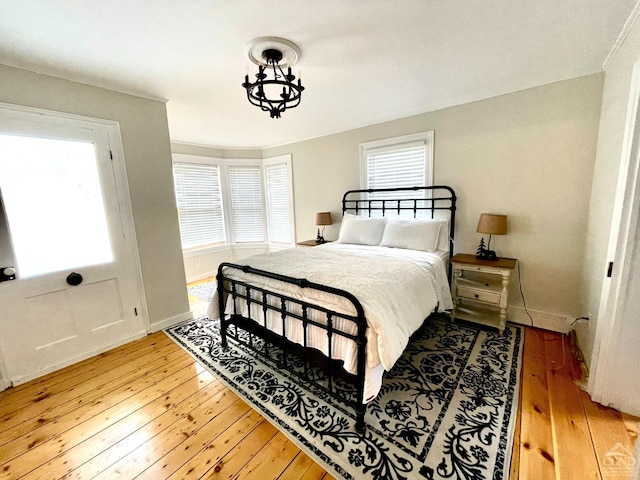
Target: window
(245, 186)
(397, 162)
(233, 201)
(199, 200)
(277, 178)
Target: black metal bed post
(361, 407)
(221, 306)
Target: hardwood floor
(146, 410)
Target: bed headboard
(438, 201)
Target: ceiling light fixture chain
(278, 93)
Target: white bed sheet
(394, 307)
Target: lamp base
(320, 239)
(487, 255)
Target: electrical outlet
(197, 262)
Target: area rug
(204, 291)
(446, 410)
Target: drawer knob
(476, 295)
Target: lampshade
(492, 224)
(323, 218)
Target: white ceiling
(363, 61)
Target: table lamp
(493, 225)
(322, 219)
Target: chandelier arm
(258, 94)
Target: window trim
(426, 137)
(286, 159)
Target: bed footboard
(252, 315)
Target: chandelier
(274, 91)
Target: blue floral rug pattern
(446, 410)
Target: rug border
(306, 449)
(515, 404)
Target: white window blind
(396, 166)
(246, 204)
(397, 162)
(199, 200)
(278, 203)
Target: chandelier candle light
(274, 91)
(493, 225)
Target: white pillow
(415, 234)
(361, 230)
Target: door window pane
(53, 202)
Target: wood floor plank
(236, 458)
(204, 449)
(576, 456)
(93, 385)
(73, 382)
(201, 439)
(45, 383)
(140, 459)
(298, 468)
(38, 452)
(514, 467)
(90, 457)
(609, 434)
(315, 472)
(536, 453)
(272, 459)
(86, 410)
(31, 418)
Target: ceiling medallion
(274, 91)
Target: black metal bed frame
(421, 199)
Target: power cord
(524, 304)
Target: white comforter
(397, 288)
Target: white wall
(529, 155)
(145, 138)
(204, 265)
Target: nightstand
(480, 289)
(311, 243)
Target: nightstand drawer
(480, 295)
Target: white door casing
(47, 324)
(613, 317)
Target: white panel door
(78, 288)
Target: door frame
(124, 200)
(622, 239)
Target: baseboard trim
(201, 276)
(547, 321)
(52, 368)
(170, 322)
(4, 384)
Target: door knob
(7, 273)
(74, 279)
